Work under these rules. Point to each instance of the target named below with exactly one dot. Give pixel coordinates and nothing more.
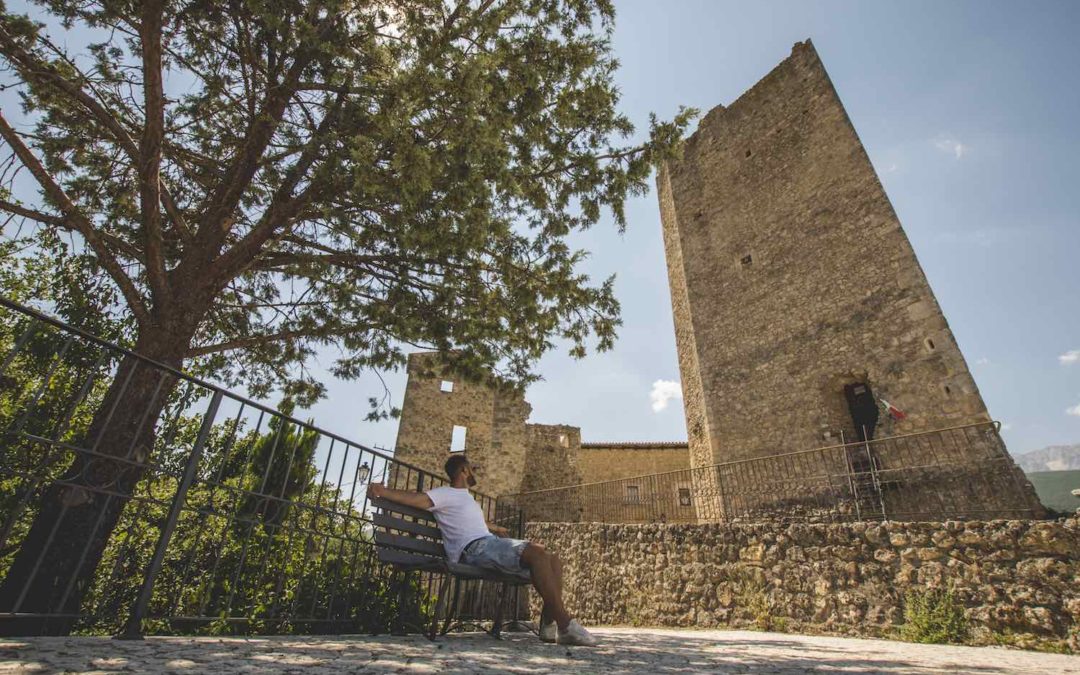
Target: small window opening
(446, 386)
(929, 344)
(457, 439)
(632, 494)
(564, 440)
(948, 391)
(748, 153)
(684, 497)
(747, 260)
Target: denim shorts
(497, 553)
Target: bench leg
(496, 627)
(453, 606)
(399, 622)
(440, 605)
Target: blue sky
(969, 113)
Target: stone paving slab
(623, 650)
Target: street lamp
(363, 473)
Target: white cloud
(1006, 426)
(983, 362)
(1070, 357)
(662, 392)
(1074, 411)
(951, 145)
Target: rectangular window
(457, 439)
(446, 386)
(684, 497)
(564, 440)
(632, 494)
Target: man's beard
(472, 481)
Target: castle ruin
(799, 307)
(510, 455)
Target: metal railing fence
(953, 473)
(135, 498)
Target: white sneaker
(575, 634)
(549, 632)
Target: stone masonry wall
(509, 454)
(610, 461)
(791, 277)
(552, 458)
(494, 420)
(1011, 576)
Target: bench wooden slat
(388, 506)
(472, 572)
(411, 560)
(388, 521)
(414, 544)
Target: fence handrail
(214, 388)
(994, 423)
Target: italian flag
(891, 410)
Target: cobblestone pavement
(623, 650)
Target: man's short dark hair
(455, 464)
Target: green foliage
(934, 616)
(1009, 638)
(367, 175)
(752, 594)
(261, 544)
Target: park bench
(409, 539)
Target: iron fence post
(133, 628)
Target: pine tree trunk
(57, 560)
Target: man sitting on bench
(468, 538)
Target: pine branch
(33, 68)
(149, 162)
(78, 221)
(220, 206)
(284, 206)
(258, 340)
(58, 221)
(19, 210)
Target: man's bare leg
(556, 567)
(547, 582)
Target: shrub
(933, 617)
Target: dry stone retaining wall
(1013, 577)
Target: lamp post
(363, 473)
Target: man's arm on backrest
(418, 500)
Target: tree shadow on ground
(620, 652)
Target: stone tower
(490, 419)
(791, 280)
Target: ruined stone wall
(1010, 576)
(609, 461)
(792, 277)
(553, 457)
(494, 419)
(699, 436)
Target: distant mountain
(1053, 458)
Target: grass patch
(1029, 642)
(753, 595)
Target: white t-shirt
(460, 519)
